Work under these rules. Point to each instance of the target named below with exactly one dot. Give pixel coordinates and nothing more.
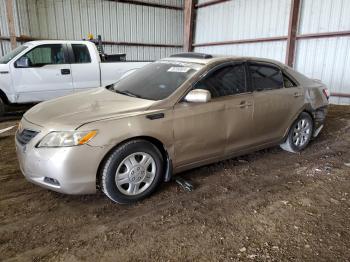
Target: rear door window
(225, 81)
(265, 77)
(81, 54)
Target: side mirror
(198, 96)
(22, 62)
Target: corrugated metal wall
(327, 59)
(244, 19)
(4, 45)
(118, 22)
(3, 19)
(273, 50)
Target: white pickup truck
(42, 70)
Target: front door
(45, 75)
(209, 130)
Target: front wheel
(132, 172)
(299, 134)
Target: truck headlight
(67, 138)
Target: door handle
(65, 71)
(244, 104)
(155, 116)
(297, 94)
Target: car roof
(43, 42)
(206, 59)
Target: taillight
(326, 93)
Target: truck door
(42, 73)
(85, 67)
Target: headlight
(67, 138)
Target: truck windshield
(156, 81)
(8, 57)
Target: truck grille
(25, 136)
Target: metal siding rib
(60, 20)
(327, 59)
(202, 1)
(22, 17)
(119, 22)
(177, 3)
(42, 13)
(242, 19)
(3, 19)
(319, 16)
(5, 47)
(273, 50)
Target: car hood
(72, 111)
(4, 68)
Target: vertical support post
(11, 24)
(292, 32)
(188, 24)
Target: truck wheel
(132, 172)
(299, 134)
(2, 107)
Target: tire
(299, 134)
(132, 172)
(2, 107)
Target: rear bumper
(320, 116)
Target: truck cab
(42, 70)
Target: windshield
(156, 81)
(8, 57)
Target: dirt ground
(266, 206)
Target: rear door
(85, 69)
(274, 105)
(208, 130)
(45, 75)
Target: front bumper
(69, 170)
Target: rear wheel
(299, 134)
(2, 107)
(132, 172)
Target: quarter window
(81, 54)
(228, 80)
(265, 77)
(46, 55)
(288, 82)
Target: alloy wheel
(135, 173)
(302, 132)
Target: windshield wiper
(127, 93)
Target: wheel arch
(304, 110)
(4, 97)
(156, 142)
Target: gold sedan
(172, 115)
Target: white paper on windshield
(178, 69)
